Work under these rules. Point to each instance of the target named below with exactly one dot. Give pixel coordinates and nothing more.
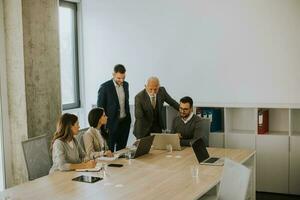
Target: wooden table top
(157, 175)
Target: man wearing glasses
(187, 124)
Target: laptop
(161, 140)
(203, 156)
(143, 146)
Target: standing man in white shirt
(113, 96)
(148, 108)
(189, 125)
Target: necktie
(153, 102)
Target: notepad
(96, 169)
(104, 158)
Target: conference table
(157, 175)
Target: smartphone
(87, 179)
(115, 165)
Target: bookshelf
(278, 150)
(279, 121)
(240, 120)
(295, 122)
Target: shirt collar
(150, 95)
(188, 119)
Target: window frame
(76, 103)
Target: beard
(184, 115)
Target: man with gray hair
(148, 108)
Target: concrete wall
(42, 73)
(4, 125)
(32, 78)
(15, 90)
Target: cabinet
(272, 158)
(216, 139)
(294, 180)
(278, 151)
(278, 121)
(240, 128)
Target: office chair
(205, 130)
(37, 156)
(234, 183)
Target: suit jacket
(144, 111)
(108, 99)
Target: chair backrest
(37, 156)
(235, 181)
(205, 130)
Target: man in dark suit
(113, 96)
(148, 108)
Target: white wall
(216, 51)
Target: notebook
(161, 140)
(202, 155)
(97, 168)
(105, 158)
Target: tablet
(87, 179)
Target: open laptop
(161, 140)
(143, 146)
(203, 156)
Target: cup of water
(169, 148)
(128, 155)
(104, 169)
(195, 171)
(166, 131)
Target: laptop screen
(144, 146)
(200, 151)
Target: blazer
(144, 111)
(94, 143)
(63, 155)
(108, 99)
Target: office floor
(273, 196)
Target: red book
(263, 121)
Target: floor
(273, 196)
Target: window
(69, 55)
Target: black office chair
(37, 156)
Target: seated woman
(67, 154)
(95, 137)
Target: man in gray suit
(188, 125)
(148, 108)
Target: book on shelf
(263, 121)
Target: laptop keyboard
(211, 160)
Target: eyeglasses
(184, 109)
